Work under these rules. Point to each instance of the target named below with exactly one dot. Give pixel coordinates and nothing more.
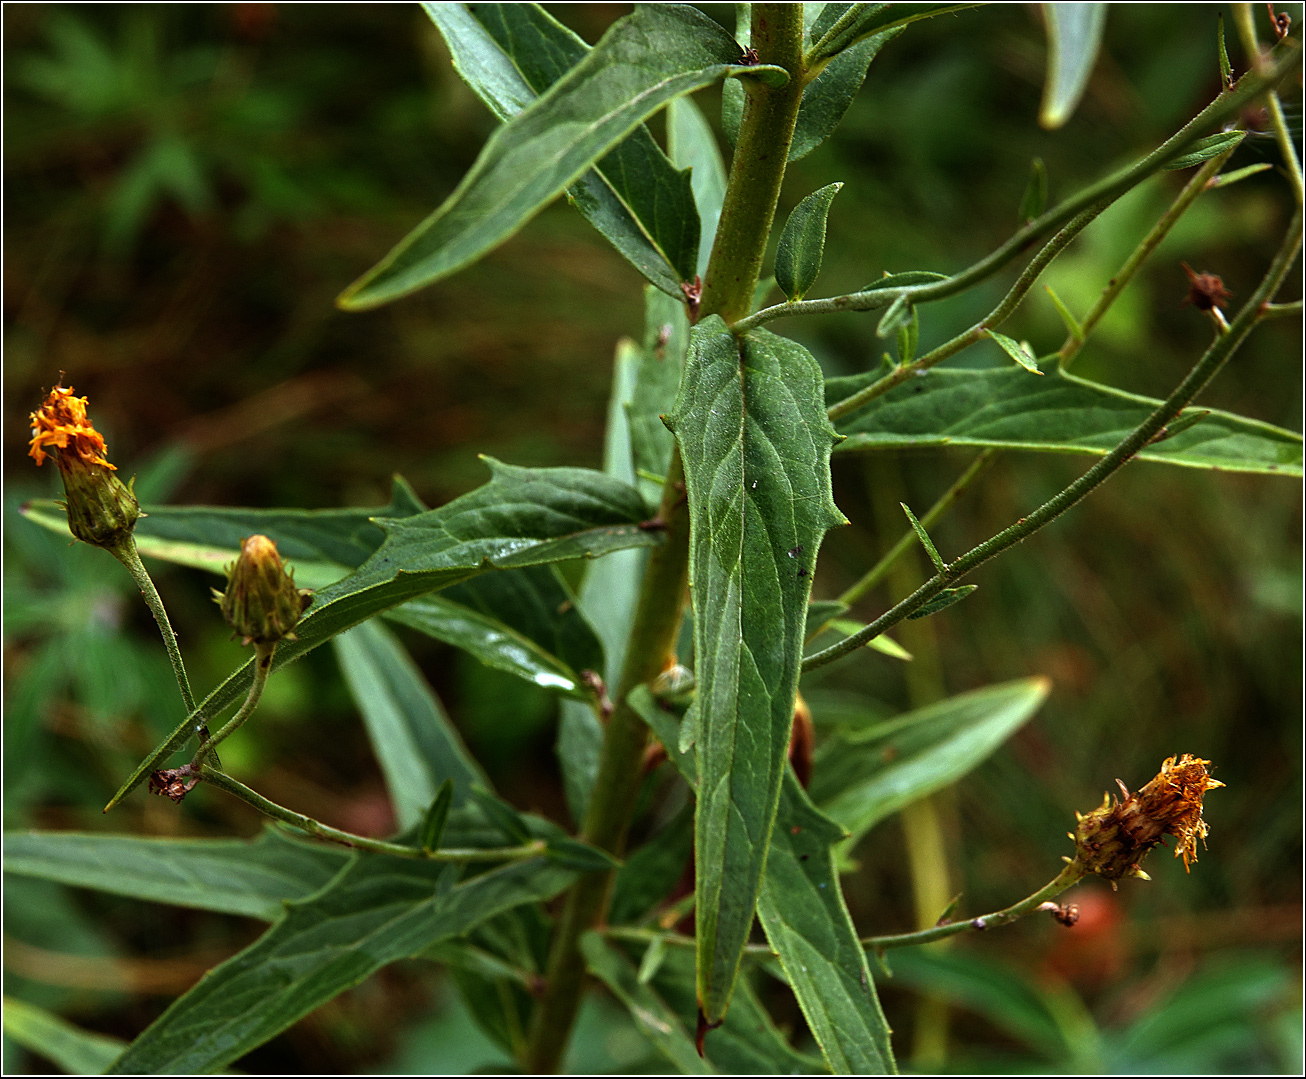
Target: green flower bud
(261, 602)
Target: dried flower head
(261, 602)
(102, 510)
(1113, 839)
(1205, 290)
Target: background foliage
(188, 188)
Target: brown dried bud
(1113, 839)
(1205, 290)
(261, 602)
(102, 511)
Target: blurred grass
(187, 189)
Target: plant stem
(1070, 875)
(127, 554)
(1205, 369)
(1285, 56)
(1242, 18)
(262, 666)
(880, 570)
(995, 318)
(732, 272)
(313, 827)
(758, 167)
(1199, 183)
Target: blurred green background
(187, 187)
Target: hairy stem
(1246, 25)
(127, 554)
(1285, 57)
(262, 666)
(749, 208)
(313, 827)
(1205, 369)
(1200, 182)
(1072, 874)
(965, 339)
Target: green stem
(880, 570)
(1242, 17)
(262, 666)
(1285, 57)
(127, 554)
(1205, 369)
(1282, 310)
(313, 827)
(1072, 874)
(758, 167)
(995, 318)
(747, 213)
(1199, 183)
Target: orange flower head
(61, 423)
(1113, 839)
(102, 511)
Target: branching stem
(262, 666)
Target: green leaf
(692, 145)
(76, 1051)
(1059, 413)
(1205, 149)
(820, 612)
(1015, 350)
(906, 279)
(883, 643)
(943, 600)
(436, 817)
(1226, 68)
(415, 744)
(644, 61)
(899, 315)
(802, 243)
(748, 1043)
(755, 442)
(806, 920)
(582, 857)
(827, 97)
(1071, 323)
(522, 517)
(321, 546)
(377, 910)
(842, 26)
(807, 923)
(656, 1021)
(1227, 178)
(908, 337)
(250, 877)
(1074, 36)
(500, 814)
(1035, 199)
(642, 882)
(861, 777)
(658, 370)
(924, 537)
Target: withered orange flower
(61, 423)
(102, 511)
(1114, 838)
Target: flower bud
(261, 602)
(101, 510)
(1113, 839)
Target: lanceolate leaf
(377, 910)
(755, 442)
(76, 1051)
(861, 777)
(415, 744)
(522, 517)
(1074, 36)
(802, 243)
(511, 53)
(644, 60)
(806, 920)
(808, 925)
(842, 26)
(827, 97)
(253, 878)
(692, 144)
(657, 379)
(1059, 413)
